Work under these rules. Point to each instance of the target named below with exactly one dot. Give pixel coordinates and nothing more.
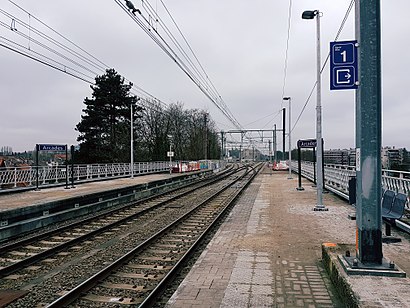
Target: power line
(192, 74)
(59, 34)
(274, 114)
(89, 60)
(193, 53)
(23, 53)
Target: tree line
(105, 127)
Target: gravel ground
(69, 269)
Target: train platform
(45, 195)
(268, 253)
(29, 210)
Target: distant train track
(28, 264)
(20, 253)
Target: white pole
(132, 142)
(170, 158)
(319, 178)
(290, 141)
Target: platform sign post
(66, 168)
(343, 65)
(50, 148)
(72, 150)
(304, 144)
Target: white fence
(12, 178)
(337, 178)
(20, 177)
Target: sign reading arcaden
(52, 147)
(308, 143)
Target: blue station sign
(52, 147)
(307, 143)
(343, 65)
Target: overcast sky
(240, 44)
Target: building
(393, 157)
(340, 157)
(390, 156)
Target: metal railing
(20, 177)
(14, 178)
(337, 178)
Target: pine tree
(105, 125)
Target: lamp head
(286, 98)
(309, 14)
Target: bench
(387, 202)
(393, 206)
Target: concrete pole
(319, 164)
(290, 138)
(274, 144)
(222, 146)
(240, 148)
(206, 136)
(132, 142)
(284, 132)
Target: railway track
(60, 252)
(21, 253)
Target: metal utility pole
(289, 134)
(222, 148)
(319, 178)
(206, 136)
(244, 132)
(368, 134)
(274, 144)
(240, 148)
(132, 141)
(284, 131)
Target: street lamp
(290, 141)
(319, 178)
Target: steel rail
(151, 298)
(30, 239)
(74, 294)
(49, 252)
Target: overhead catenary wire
(92, 60)
(153, 15)
(91, 63)
(32, 40)
(100, 64)
(165, 46)
(274, 114)
(193, 53)
(64, 70)
(147, 101)
(216, 96)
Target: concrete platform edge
(30, 217)
(337, 275)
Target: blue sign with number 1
(343, 65)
